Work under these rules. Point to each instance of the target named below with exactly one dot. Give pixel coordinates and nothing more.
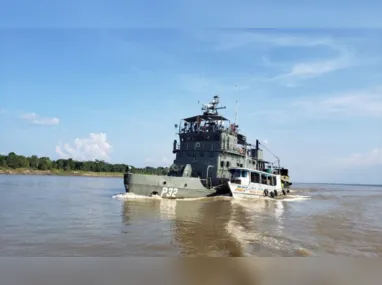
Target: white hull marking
(170, 192)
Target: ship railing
(176, 148)
(237, 150)
(206, 130)
(206, 182)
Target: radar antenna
(236, 113)
(211, 108)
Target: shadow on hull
(171, 187)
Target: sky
(110, 79)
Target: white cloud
(367, 102)
(231, 40)
(38, 120)
(265, 141)
(300, 70)
(94, 147)
(350, 103)
(310, 69)
(371, 158)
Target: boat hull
(254, 190)
(168, 187)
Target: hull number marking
(170, 192)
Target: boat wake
(292, 198)
(131, 196)
(289, 198)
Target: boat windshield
(236, 173)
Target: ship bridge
(207, 117)
(203, 123)
(209, 141)
(209, 121)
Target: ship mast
(236, 110)
(245, 158)
(277, 158)
(211, 108)
(236, 113)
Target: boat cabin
(209, 144)
(246, 176)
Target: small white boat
(252, 183)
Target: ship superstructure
(209, 146)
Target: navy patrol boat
(212, 158)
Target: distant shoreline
(58, 172)
(25, 171)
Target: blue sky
(109, 80)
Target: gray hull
(169, 187)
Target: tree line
(14, 161)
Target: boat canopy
(234, 169)
(207, 117)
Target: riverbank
(26, 171)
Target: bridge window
(263, 179)
(227, 163)
(222, 163)
(255, 177)
(235, 173)
(238, 173)
(274, 181)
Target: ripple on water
(64, 216)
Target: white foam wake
(131, 196)
(292, 198)
(288, 198)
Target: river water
(81, 216)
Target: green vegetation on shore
(58, 172)
(19, 164)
